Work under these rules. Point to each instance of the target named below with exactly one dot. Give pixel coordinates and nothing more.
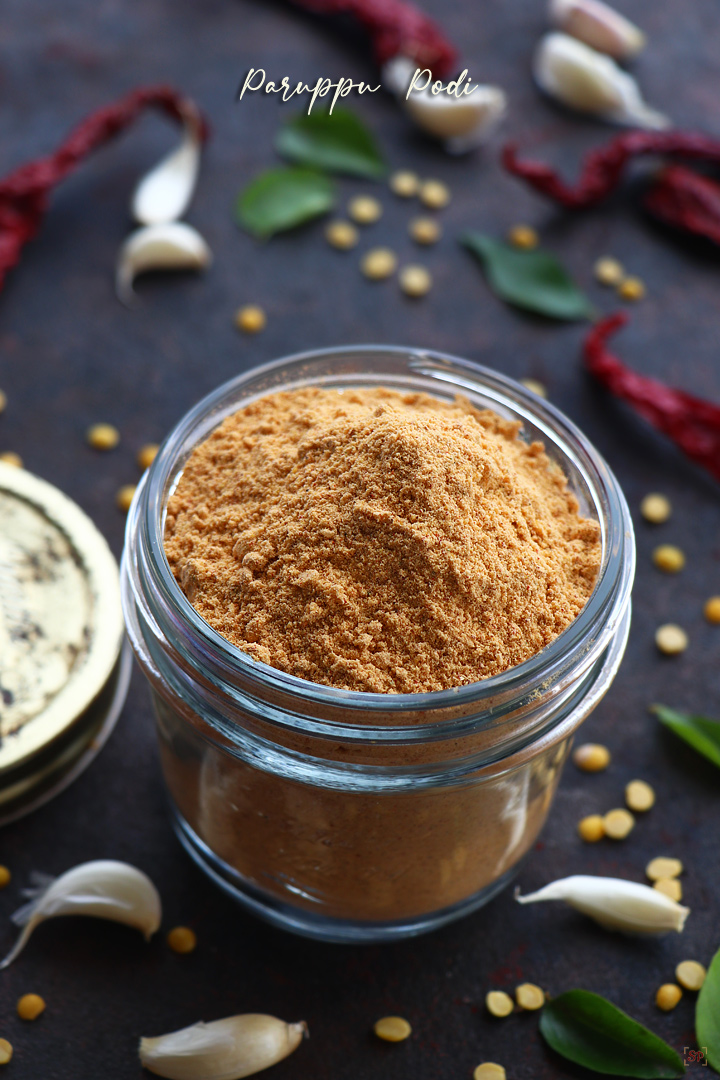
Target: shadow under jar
(356, 816)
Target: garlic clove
(164, 194)
(173, 246)
(225, 1049)
(584, 79)
(615, 903)
(104, 888)
(599, 26)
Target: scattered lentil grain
(3, 401)
(103, 436)
(392, 1028)
(434, 194)
(499, 1003)
(591, 828)
(535, 387)
(11, 458)
(670, 887)
(425, 230)
(147, 454)
(250, 319)
(663, 866)
(182, 939)
(125, 496)
(341, 235)
(6, 1051)
(618, 823)
(711, 609)
(671, 639)
(591, 757)
(608, 271)
(489, 1070)
(631, 288)
(405, 184)
(30, 1006)
(524, 237)
(379, 263)
(415, 280)
(668, 996)
(668, 558)
(639, 795)
(365, 209)
(529, 996)
(655, 508)
(690, 974)
(5, 877)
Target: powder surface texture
(377, 541)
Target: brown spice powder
(378, 541)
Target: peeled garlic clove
(164, 194)
(584, 79)
(222, 1050)
(174, 246)
(599, 26)
(615, 903)
(104, 888)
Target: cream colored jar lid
(61, 626)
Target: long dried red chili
(693, 424)
(396, 28)
(686, 200)
(25, 192)
(603, 168)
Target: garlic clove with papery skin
(615, 903)
(578, 76)
(599, 26)
(104, 888)
(164, 194)
(227, 1049)
(173, 246)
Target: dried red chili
(692, 423)
(396, 28)
(686, 200)
(24, 193)
(602, 169)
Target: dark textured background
(71, 355)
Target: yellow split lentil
(5, 876)
(182, 939)
(3, 401)
(6, 1051)
(405, 184)
(591, 828)
(341, 235)
(378, 263)
(250, 319)
(147, 454)
(125, 496)
(425, 230)
(30, 1006)
(523, 236)
(392, 1028)
(668, 996)
(668, 558)
(669, 887)
(415, 280)
(591, 757)
(365, 209)
(639, 795)
(11, 458)
(499, 1003)
(663, 866)
(529, 996)
(671, 639)
(608, 271)
(103, 436)
(535, 386)
(489, 1070)
(655, 508)
(690, 974)
(618, 823)
(711, 609)
(631, 288)
(434, 194)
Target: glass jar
(357, 816)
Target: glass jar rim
(590, 631)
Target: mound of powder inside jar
(378, 541)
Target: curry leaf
(534, 280)
(337, 142)
(279, 199)
(591, 1031)
(700, 732)
(707, 1014)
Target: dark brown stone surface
(71, 355)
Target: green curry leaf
(707, 1014)
(591, 1031)
(698, 731)
(533, 280)
(280, 199)
(336, 142)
